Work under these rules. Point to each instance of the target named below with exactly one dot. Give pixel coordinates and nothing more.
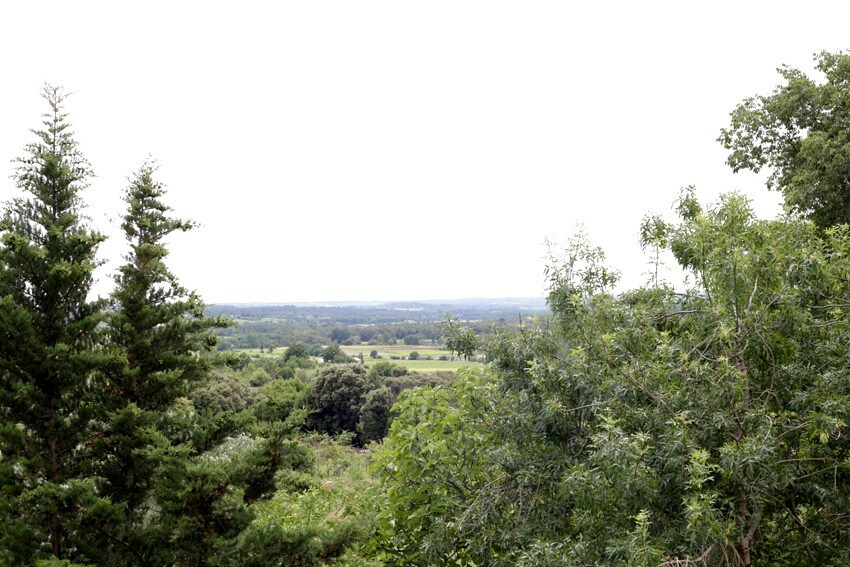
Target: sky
(389, 150)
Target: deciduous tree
(799, 132)
(652, 427)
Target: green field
(386, 352)
(430, 365)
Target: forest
(698, 424)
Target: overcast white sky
(399, 150)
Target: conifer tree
(177, 496)
(48, 330)
(162, 334)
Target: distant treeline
(275, 326)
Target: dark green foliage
(397, 383)
(160, 331)
(334, 354)
(412, 340)
(340, 334)
(337, 395)
(386, 369)
(48, 333)
(460, 340)
(202, 511)
(800, 133)
(158, 324)
(296, 350)
(375, 414)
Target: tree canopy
(652, 427)
(48, 334)
(800, 133)
(103, 458)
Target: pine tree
(164, 338)
(48, 335)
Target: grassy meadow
(387, 352)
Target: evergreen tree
(181, 479)
(162, 334)
(48, 331)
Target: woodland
(699, 424)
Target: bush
(337, 395)
(334, 354)
(375, 414)
(296, 350)
(412, 340)
(258, 377)
(224, 392)
(385, 369)
(398, 384)
(281, 398)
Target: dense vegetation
(653, 427)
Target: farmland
(431, 358)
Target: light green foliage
(225, 392)
(398, 384)
(649, 427)
(448, 499)
(259, 377)
(282, 399)
(317, 525)
(800, 133)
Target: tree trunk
(55, 526)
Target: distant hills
(377, 312)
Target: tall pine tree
(48, 340)
(162, 334)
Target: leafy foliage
(649, 427)
(337, 396)
(800, 132)
(314, 526)
(460, 339)
(225, 392)
(375, 414)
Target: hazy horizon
(393, 150)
